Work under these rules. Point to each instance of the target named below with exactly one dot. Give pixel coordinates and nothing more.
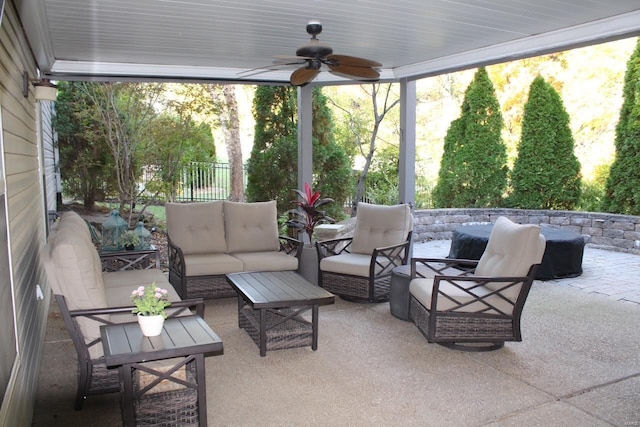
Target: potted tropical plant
(150, 302)
(129, 240)
(306, 217)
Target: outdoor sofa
(89, 297)
(207, 241)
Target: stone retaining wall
(602, 230)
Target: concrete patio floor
(578, 364)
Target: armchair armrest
(443, 266)
(290, 246)
(502, 297)
(327, 248)
(82, 347)
(177, 268)
(386, 258)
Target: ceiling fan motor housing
(314, 50)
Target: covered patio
(577, 365)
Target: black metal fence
(201, 182)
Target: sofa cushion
(211, 264)
(378, 226)
(120, 296)
(511, 251)
(346, 263)
(133, 278)
(267, 261)
(197, 228)
(77, 268)
(251, 227)
(71, 220)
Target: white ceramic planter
(151, 326)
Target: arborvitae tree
(622, 194)
(546, 173)
(473, 171)
(272, 169)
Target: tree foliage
(125, 109)
(86, 166)
(362, 128)
(546, 173)
(622, 193)
(273, 165)
(171, 143)
(473, 171)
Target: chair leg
(83, 384)
(479, 347)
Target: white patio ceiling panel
(207, 39)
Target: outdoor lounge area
(578, 364)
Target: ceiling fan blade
(353, 61)
(302, 76)
(280, 62)
(290, 57)
(367, 73)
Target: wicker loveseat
(88, 298)
(207, 241)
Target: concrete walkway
(578, 365)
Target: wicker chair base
(482, 333)
(209, 287)
(356, 288)
(101, 381)
(177, 407)
(294, 332)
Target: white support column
(305, 136)
(407, 164)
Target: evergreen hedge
(622, 194)
(546, 173)
(473, 171)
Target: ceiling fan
(314, 54)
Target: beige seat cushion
(197, 228)
(120, 296)
(131, 279)
(267, 261)
(211, 264)
(251, 227)
(353, 264)
(378, 226)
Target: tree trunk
(224, 96)
(234, 147)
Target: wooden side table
(142, 259)
(174, 393)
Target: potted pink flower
(150, 304)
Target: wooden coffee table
(270, 305)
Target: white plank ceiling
(221, 39)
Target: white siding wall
(25, 210)
(49, 154)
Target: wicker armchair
(93, 375)
(477, 305)
(359, 268)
